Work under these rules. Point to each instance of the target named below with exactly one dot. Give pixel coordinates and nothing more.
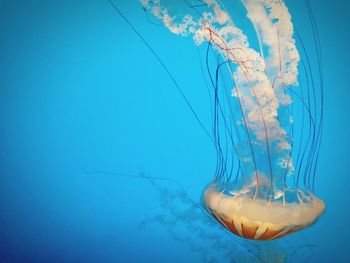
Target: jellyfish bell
(262, 219)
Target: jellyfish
(267, 114)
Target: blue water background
(78, 89)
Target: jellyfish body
(261, 219)
(266, 126)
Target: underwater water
(101, 159)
